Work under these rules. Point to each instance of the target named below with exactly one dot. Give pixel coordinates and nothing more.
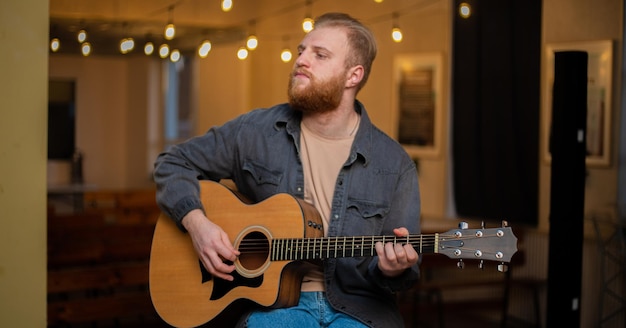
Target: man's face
(318, 80)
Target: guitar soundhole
(255, 250)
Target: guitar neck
(335, 247)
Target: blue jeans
(313, 311)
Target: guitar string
(326, 243)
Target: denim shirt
(376, 191)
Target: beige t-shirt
(322, 158)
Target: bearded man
(321, 147)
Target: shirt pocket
(365, 217)
(262, 178)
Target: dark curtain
(496, 101)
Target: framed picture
(599, 107)
(417, 102)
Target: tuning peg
(481, 264)
(460, 264)
(503, 267)
(505, 223)
(463, 225)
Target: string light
(307, 22)
(242, 53)
(148, 48)
(396, 33)
(204, 49)
(227, 5)
(85, 49)
(81, 36)
(175, 56)
(170, 29)
(285, 55)
(465, 10)
(164, 50)
(127, 45)
(252, 42)
(55, 45)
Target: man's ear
(355, 75)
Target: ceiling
(108, 21)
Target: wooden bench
(98, 263)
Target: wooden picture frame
(417, 103)
(599, 96)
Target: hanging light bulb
(465, 10)
(85, 49)
(252, 42)
(378, 1)
(127, 45)
(148, 48)
(55, 44)
(204, 49)
(307, 22)
(285, 55)
(164, 50)
(242, 53)
(396, 33)
(170, 29)
(175, 56)
(81, 36)
(227, 5)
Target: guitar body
(185, 295)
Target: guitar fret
(328, 248)
(352, 247)
(421, 244)
(362, 244)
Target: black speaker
(567, 191)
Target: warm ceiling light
(242, 53)
(378, 1)
(396, 34)
(85, 49)
(285, 55)
(204, 49)
(81, 36)
(227, 5)
(252, 42)
(175, 56)
(127, 45)
(465, 10)
(170, 31)
(148, 48)
(55, 44)
(307, 24)
(164, 50)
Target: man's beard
(318, 96)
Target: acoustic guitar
(277, 238)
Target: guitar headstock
(494, 244)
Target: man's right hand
(211, 244)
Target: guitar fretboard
(291, 249)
